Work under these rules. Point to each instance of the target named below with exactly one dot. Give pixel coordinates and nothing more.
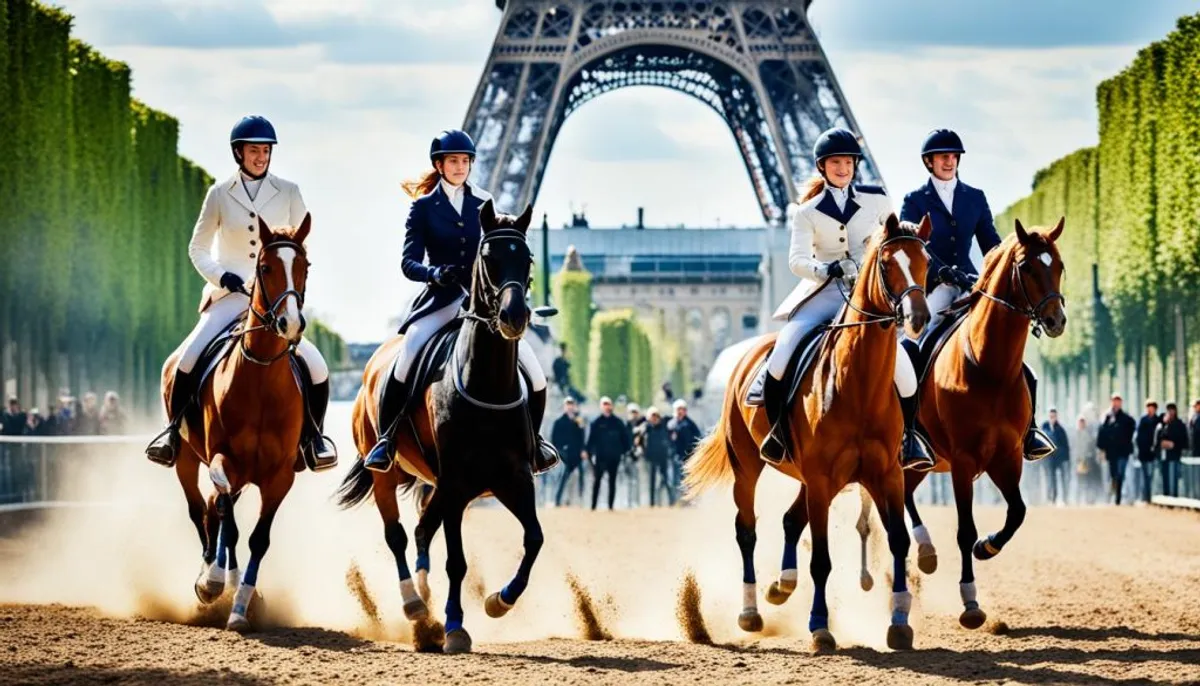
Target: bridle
(896, 316)
(1030, 311)
(490, 294)
(270, 318)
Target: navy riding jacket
(950, 240)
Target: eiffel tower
(756, 63)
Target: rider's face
(839, 170)
(944, 165)
(256, 157)
(455, 167)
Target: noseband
(490, 292)
(896, 316)
(1030, 311)
(270, 318)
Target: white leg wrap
(241, 600)
(408, 590)
(749, 597)
(787, 580)
(901, 606)
(967, 591)
(232, 578)
(921, 535)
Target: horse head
(894, 278)
(1038, 270)
(502, 272)
(280, 280)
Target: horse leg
(260, 539)
(211, 582)
(1007, 478)
(820, 565)
(889, 497)
(384, 489)
(520, 500)
(972, 617)
(794, 521)
(743, 525)
(427, 526)
(926, 553)
(457, 638)
(863, 525)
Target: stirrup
(380, 457)
(772, 449)
(164, 448)
(916, 454)
(545, 458)
(320, 453)
(1038, 445)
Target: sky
(357, 88)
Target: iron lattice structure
(756, 63)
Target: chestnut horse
(975, 405)
(846, 427)
(251, 414)
(470, 437)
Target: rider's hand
(833, 270)
(462, 274)
(444, 276)
(849, 269)
(233, 283)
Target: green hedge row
(629, 358)
(572, 295)
(1132, 209)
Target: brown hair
(812, 188)
(422, 185)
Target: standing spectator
(1194, 428)
(88, 421)
(567, 436)
(1172, 438)
(112, 417)
(1147, 450)
(657, 445)
(668, 394)
(1059, 461)
(12, 421)
(635, 422)
(65, 416)
(561, 368)
(1087, 466)
(1116, 440)
(608, 441)
(685, 435)
(37, 425)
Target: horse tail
(712, 462)
(356, 487)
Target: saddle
(931, 344)
(806, 353)
(430, 365)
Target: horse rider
(959, 214)
(831, 225)
(224, 249)
(443, 224)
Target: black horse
(471, 434)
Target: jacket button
(460, 224)
(463, 239)
(953, 223)
(253, 242)
(251, 227)
(842, 239)
(252, 215)
(842, 227)
(252, 254)
(462, 252)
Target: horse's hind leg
(794, 522)
(384, 487)
(457, 638)
(1006, 474)
(427, 526)
(888, 492)
(926, 554)
(519, 498)
(865, 580)
(260, 539)
(964, 493)
(746, 473)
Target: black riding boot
(915, 453)
(319, 452)
(545, 456)
(1037, 444)
(164, 449)
(773, 449)
(390, 408)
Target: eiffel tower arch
(757, 63)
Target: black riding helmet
(938, 141)
(251, 129)
(836, 141)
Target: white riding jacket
(822, 233)
(225, 238)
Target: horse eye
(266, 269)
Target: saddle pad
(431, 362)
(808, 347)
(932, 344)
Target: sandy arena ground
(104, 594)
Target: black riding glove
(834, 270)
(444, 276)
(233, 283)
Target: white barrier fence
(32, 467)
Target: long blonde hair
(812, 188)
(423, 184)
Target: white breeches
(941, 298)
(218, 317)
(419, 332)
(818, 310)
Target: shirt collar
(944, 186)
(451, 190)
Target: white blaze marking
(905, 263)
(1046, 259)
(291, 308)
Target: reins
(896, 316)
(270, 318)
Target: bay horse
(251, 413)
(846, 427)
(470, 436)
(975, 405)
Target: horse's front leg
(384, 490)
(1006, 474)
(863, 525)
(794, 522)
(273, 494)
(432, 514)
(819, 497)
(519, 498)
(457, 638)
(926, 553)
(889, 497)
(964, 493)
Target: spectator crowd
(85, 416)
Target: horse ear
(305, 227)
(264, 232)
(1057, 230)
(892, 224)
(1022, 234)
(526, 217)
(487, 216)
(925, 228)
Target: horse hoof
(238, 623)
(750, 621)
(457, 641)
(972, 619)
(495, 606)
(926, 559)
(984, 550)
(207, 591)
(823, 642)
(416, 610)
(900, 637)
(866, 581)
(776, 595)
